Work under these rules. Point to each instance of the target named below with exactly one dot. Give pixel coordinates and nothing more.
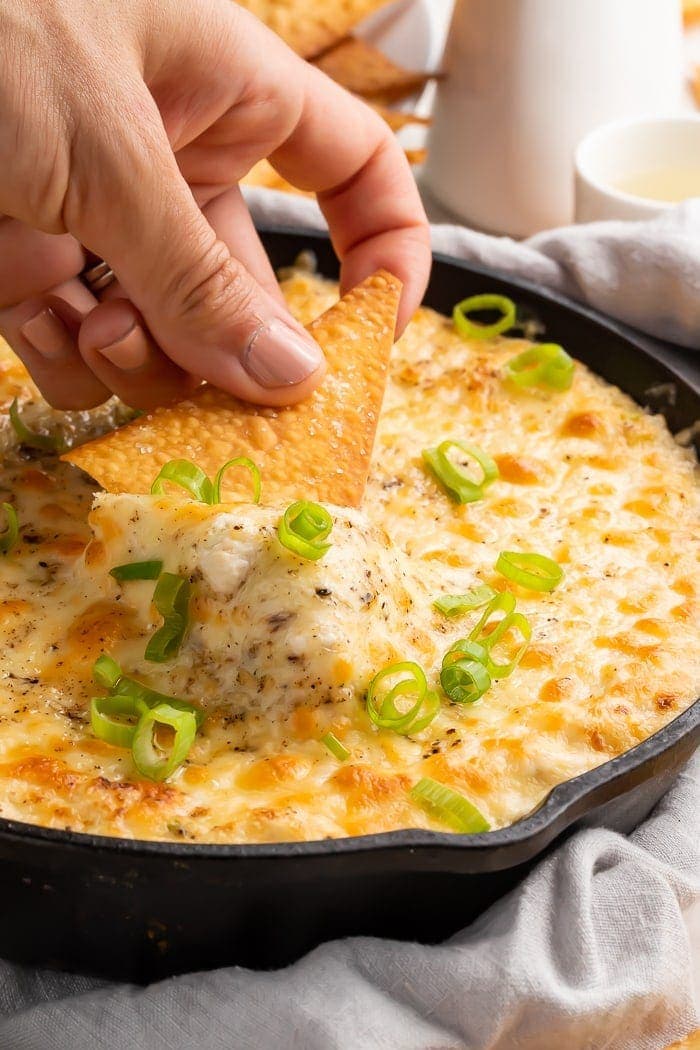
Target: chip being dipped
(318, 449)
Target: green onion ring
(144, 697)
(450, 806)
(464, 649)
(546, 364)
(503, 602)
(304, 527)
(464, 681)
(386, 715)
(137, 570)
(11, 534)
(239, 461)
(471, 329)
(117, 732)
(457, 604)
(511, 621)
(335, 747)
(172, 600)
(537, 572)
(106, 672)
(29, 438)
(453, 477)
(148, 759)
(188, 476)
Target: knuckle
(215, 288)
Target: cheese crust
(278, 659)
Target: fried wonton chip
(364, 70)
(695, 85)
(312, 26)
(691, 11)
(263, 174)
(397, 118)
(416, 156)
(319, 449)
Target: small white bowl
(633, 150)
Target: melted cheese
(280, 652)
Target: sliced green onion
(105, 726)
(335, 747)
(137, 570)
(450, 806)
(239, 461)
(29, 438)
(465, 681)
(384, 712)
(152, 761)
(505, 603)
(464, 649)
(106, 672)
(304, 527)
(172, 600)
(537, 572)
(513, 621)
(546, 364)
(457, 604)
(188, 476)
(453, 476)
(9, 537)
(474, 330)
(150, 698)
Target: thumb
(200, 303)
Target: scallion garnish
(537, 572)
(453, 476)
(450, 806)
(465, 681)
(117, 731)
(192, 478)
(137, 570)
(546, 364)
(172, 600)
(335, 747)
(472, 329)
(239, 461)
(118, 717)
(9, 537)
(151, 759)
(106, 671)
(303, 529)
(489, 638)
(29, 438)
(413, 686)
(457, 604)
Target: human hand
(124, 128)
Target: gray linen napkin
(591, 952)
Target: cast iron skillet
(141, 910)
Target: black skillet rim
(560, 808)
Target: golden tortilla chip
(319, 449)
(365, 71)
(691, 1042)
(312, 26)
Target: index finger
(349, 157)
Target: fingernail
(129, 353)
(47, 334)
(279, 356)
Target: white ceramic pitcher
(525, 81)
